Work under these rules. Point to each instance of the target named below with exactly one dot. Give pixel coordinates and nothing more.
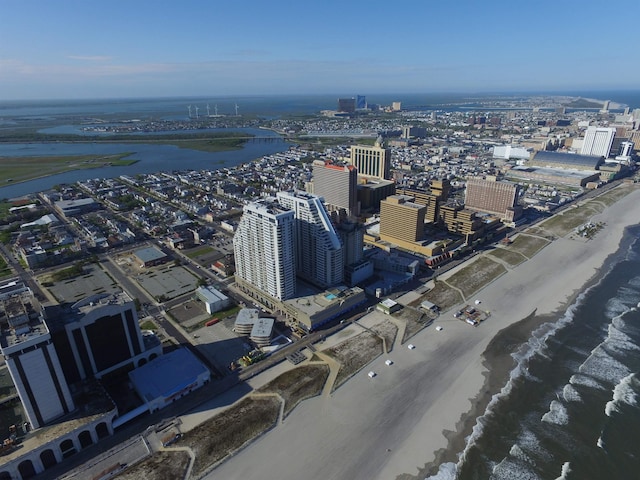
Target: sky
(143, 48)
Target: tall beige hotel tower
(372, 161)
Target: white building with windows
(318, 251)
(598, 141)
(264, 249)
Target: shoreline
(499, 363)
(413, 415)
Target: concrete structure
(372, 161)
(78, 206)
(566, 160)
(33, 363)
(318, 251)
(347, 105)
(554, 176)
(337, 185)
(372, 191)
(492, 196)
(245, 320)
(265, 250)
(508, 152)
(401, 219)
(150, 256)
(168, 378)
(262, 331)
(388, 306)
(598, 141)
(314, 310)
(98, 335)
(214, 300)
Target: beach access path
(379, 428)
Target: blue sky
(118, 48)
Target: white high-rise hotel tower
(264, 249)
(318, 250)
(598, 141)
(279, 238)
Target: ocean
(570, 409)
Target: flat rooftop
(167, 374)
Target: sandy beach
(393, 424)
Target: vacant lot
(298, 384)
(507, 256)
(92, 281)
(159, 466)
(388, 331)
(562, 224)
(230, 430)
(476, 275)
(528, 245)
(355, 353)
(441, 295)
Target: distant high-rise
(401, 219)
(264, 248)
(598, 141)
(347, 105)
(337, 185)
(372, 161)
(318, 251)
(361, 102)
(491, 196)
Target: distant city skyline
(143, 48)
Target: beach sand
(394, 424)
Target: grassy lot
(159, 466)
(20, 169)
(198, 252)
(298, 384)
(510, 257)
(476, 275)
(228, 431)
(5, 271)
(561, 225)
(355, 353)
(148, 325)
(527, 245)
(441, 295)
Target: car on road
(372, 374)
(439, 328)
(388, 362)
(411, 346)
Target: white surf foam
(570, 394)
(566, 470)
(602, 366)
(446, 471)
(579, 379)
(510, 468)
(557, 414)
(622, 393)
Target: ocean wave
(570, 394)
(510, 468)
(622, 393)
(557, 414)
(446, 471)
(635, 282)
(535, 345)
(618, 339)
(566, 470)
(518, 453)
(529, 442)
(586, 381)
(616, 306)
(602, 366)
